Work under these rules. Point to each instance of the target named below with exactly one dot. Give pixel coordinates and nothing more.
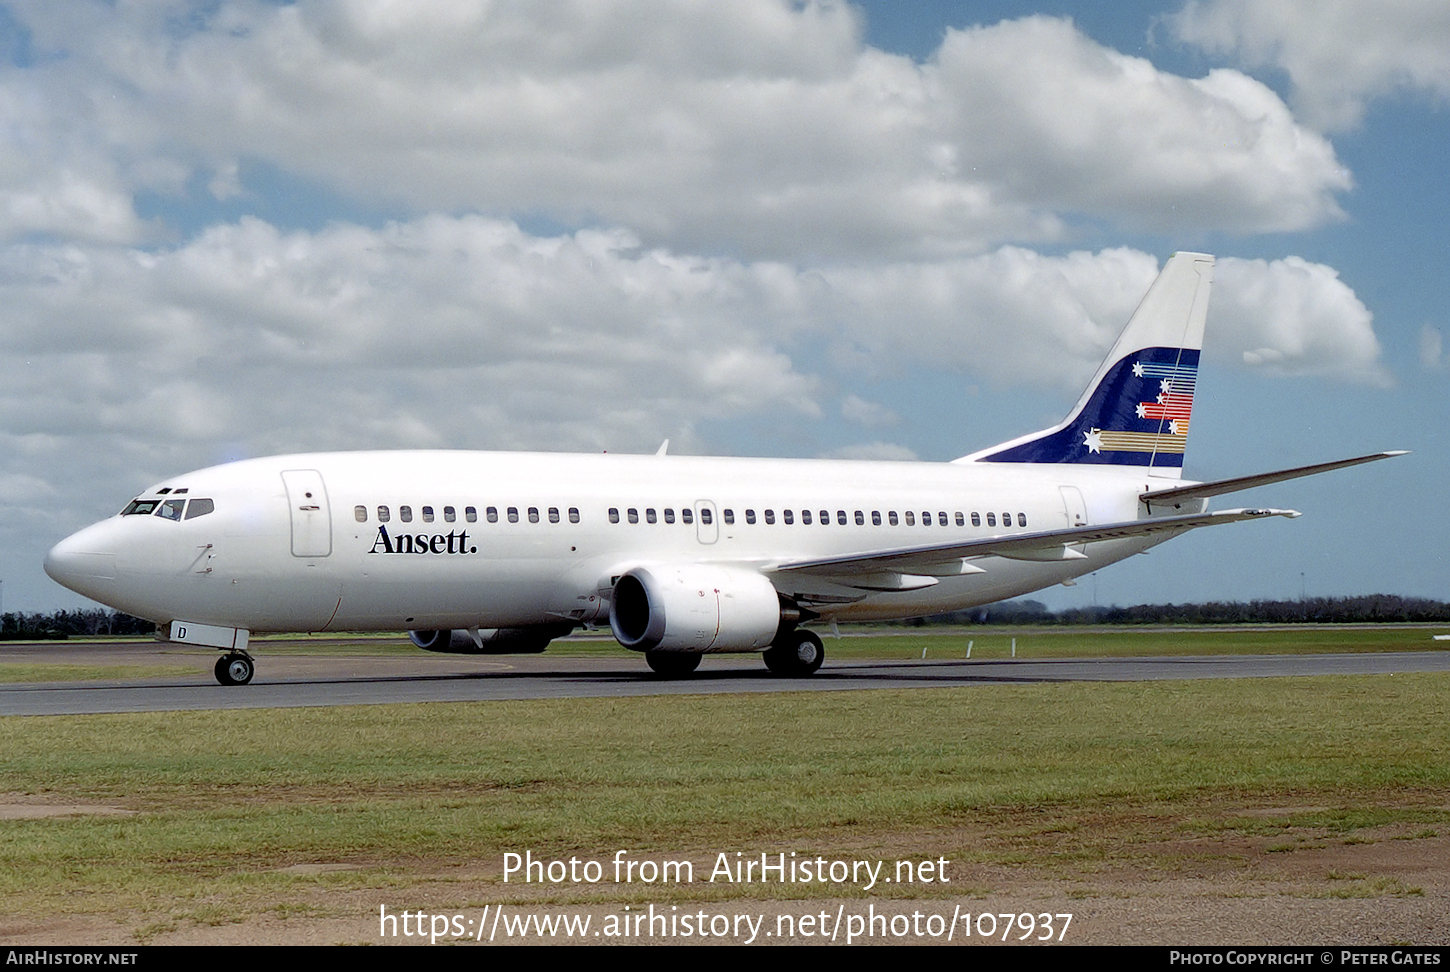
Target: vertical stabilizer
(1135, 411)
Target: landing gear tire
(672, 664)
(795, 655)
(234, 669)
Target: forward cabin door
(311, 517)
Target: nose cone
(83, 563)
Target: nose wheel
(235, 669)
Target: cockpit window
(199, 507)
(171, 509)
(140, 507)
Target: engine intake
(696, 608)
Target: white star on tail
(1093, 440)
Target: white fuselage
(300, 543)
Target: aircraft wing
(949, 558)
(1219, 487)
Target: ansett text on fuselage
(422, 543)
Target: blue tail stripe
(1129, 420)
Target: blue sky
(883, 230)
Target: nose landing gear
(236, 668)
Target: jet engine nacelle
(491, 641)
(694, 608)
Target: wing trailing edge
(1041, 546)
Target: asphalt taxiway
(348, 679)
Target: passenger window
(553, 514)
(449, 515)
(860, 518)
(201, 507)
(470, 514)
(770, 516)
(513, 514)
(875, 517)
(749, 516)
(1022, 519)
(910, 518)
(976, 519)
(788, 516)
(669, 514)
(360, 513)
(805, 517)
(991, 519)
(961, 520)
(171, 509)
(533, 514)
(729, 516)
(573, 514)
(941, 518)
(427, 514)
(841, 517)
(705, 517)
(633, 515)
(825, 517)
(1006, 519)
(926, 517)
(613, 514)
(687, 515)
(405, 513)
(492, 514)
(383, 514)
(649, 515)
(891, 518)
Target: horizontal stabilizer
(1177, 494)
(1028, 546)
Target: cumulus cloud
(854, 408)
(1293, 317)
(1016, 317)
(1338, 54)
(470, 332)
(1065, 123)
(439, 332)
(760, 128)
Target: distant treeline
(64, 624)
(1364, 609)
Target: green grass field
(1063, 778)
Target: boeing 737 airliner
(502, 552)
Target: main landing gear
(236, 668)
(795, 654)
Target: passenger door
(311, 517)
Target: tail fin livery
(1135, 411)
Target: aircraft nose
(82, 563)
